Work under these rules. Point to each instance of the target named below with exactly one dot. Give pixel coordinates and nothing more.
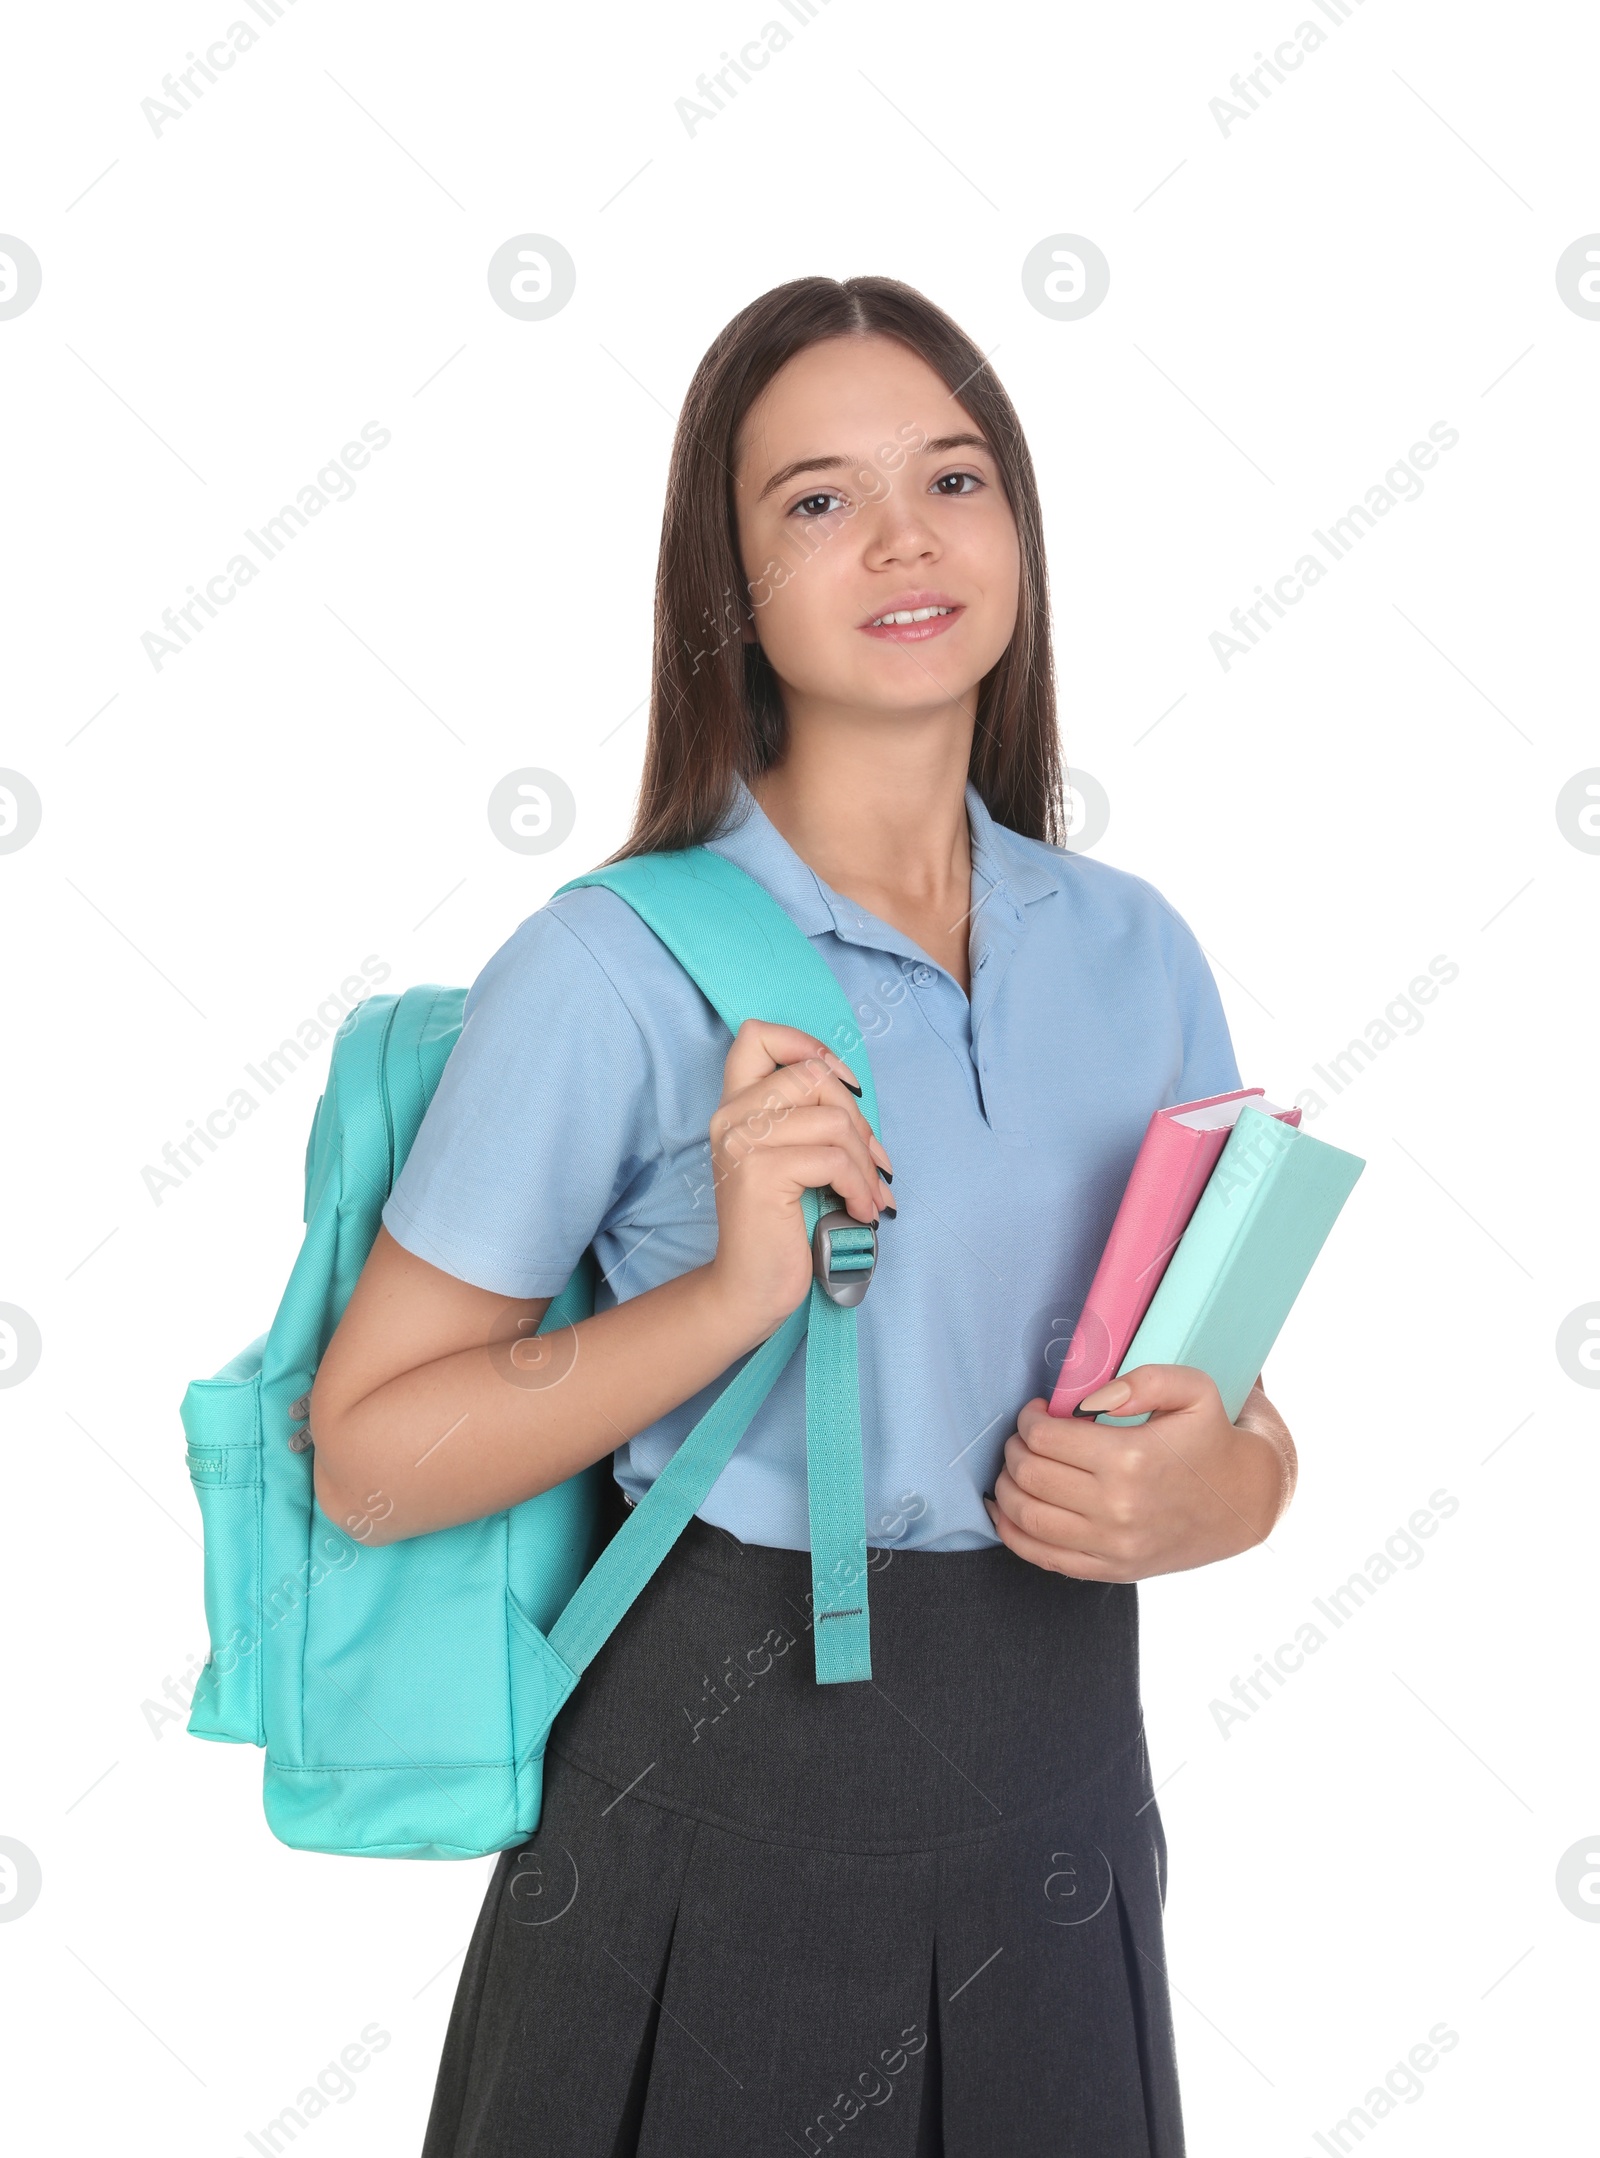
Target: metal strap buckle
(844, 1252)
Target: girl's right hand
(786, 1124)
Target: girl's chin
(922, 699)
(888, 681)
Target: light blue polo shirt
(574, 1109)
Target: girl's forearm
(486, 1427)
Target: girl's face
(864, 490)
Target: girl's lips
(913, 632)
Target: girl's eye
(806, 506)
(964, 483)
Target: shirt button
(922, 976)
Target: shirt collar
(1007, 867)
(747, 837)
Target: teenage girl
(921, 1913)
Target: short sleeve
(544, 1114)
(1209, 1064)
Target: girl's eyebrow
(937, 447)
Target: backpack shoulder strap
(751, 961)
(743, 950)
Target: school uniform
(921, 1913)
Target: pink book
(1176, 1156)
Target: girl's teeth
(917, 614)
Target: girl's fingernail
(891, 1211)
(850, 1083)
(887, 1175)
(1107, 1397)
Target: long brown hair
(715, 704)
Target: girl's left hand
(1110, 1503)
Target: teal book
(1252, 1240)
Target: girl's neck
(877, 808)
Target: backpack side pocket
(222, 1422)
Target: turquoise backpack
(404, 1692)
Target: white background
(1292, 304)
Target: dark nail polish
(891, 1211)
(887, 1175)
(850, 1083)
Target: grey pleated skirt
(919, 1915)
